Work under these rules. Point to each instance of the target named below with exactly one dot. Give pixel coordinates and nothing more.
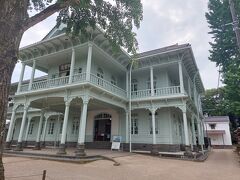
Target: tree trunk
(10, 38)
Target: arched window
(113, 80)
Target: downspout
(130, 107)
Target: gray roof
(217, 119)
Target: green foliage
(225, 51)
(232, 79)
(116, 18)
(214, 103)
(224, 48)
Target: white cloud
(165, 23)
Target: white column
(21, 77)
(127, 126)
(24, 118)
(81, 137)
(193, 131)
(11, 126)
(72, 67)
(185, 125)
(151, 79)
(199, 134)
(180, 76)
(40, 127)
(65, 122)
(57, 131)
(26, 133)
(89, 62)
(32, 75)
(153, 125)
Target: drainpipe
(130, 107)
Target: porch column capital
(85, 99)
(153, 109)
(90, 44)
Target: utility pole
(235, 22)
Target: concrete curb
(61, 158)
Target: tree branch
(50, 10)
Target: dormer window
(212, 126)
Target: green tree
(224, 50)
(232, 79)
(116, 18)
(214, 103)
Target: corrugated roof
(217, 119)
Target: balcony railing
(99, 82)
(107, 85)
(165, 91)
(77, 78)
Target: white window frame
(51, 127)
(134, 125)
(30, 130)
(156, 123)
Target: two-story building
(90, 91)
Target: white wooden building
(84, 99)
(218, 130)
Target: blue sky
(165, 23)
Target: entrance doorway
(102, 127)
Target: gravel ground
(221, 165)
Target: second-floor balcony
(81, 78)
(76, 80)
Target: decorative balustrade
(141, 94)
(77, 78)
(56, 82)
(165, 91)
(24, 87)
(107, 85)
(81, 77)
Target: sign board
(116, 141)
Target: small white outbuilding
(218, 130)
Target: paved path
(221, 165)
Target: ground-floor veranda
(92, 123)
